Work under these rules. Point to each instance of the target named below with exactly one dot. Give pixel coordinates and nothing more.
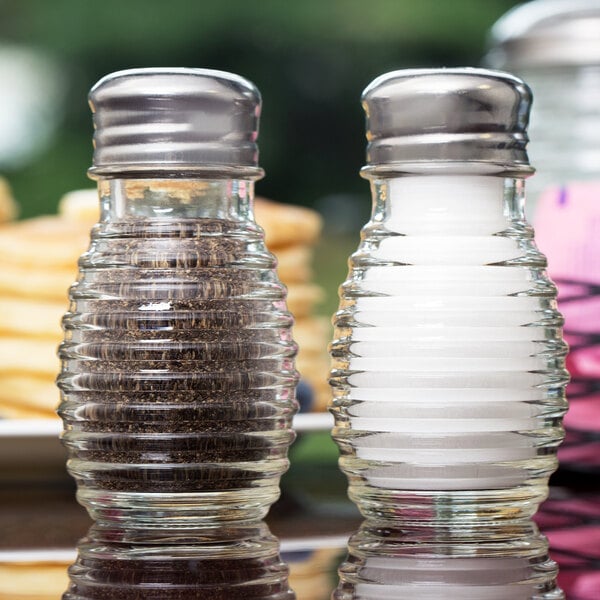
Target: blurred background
(310, 59)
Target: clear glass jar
(178, 378)
(555, 47)
(565, 127)
(448, 363)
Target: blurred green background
(311, 59)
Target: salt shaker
(448, 360)
(178, 370)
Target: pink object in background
(571, 521)
(568, 231)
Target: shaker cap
(547, 33)
(185, 120)
(462, 120)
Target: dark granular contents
(210, 445)
(186, 479)
(178, 371)
(241, 369)
(209, 323)
(181, 382)
(181, 351)
(84, 414)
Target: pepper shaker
(178, 378)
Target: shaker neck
(439, 204)
(165, 199)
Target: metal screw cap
(176, 121)
(458, 120)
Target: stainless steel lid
(547, 33)
(182, 121)
(457, 120)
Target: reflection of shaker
(448, 370)
(555, 46)
(178, 363)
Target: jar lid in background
(546, 33)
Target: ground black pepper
(178, 369)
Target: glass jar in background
(555, 46)
(448, 361)
(178, 378)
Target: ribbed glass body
(448, 380)
(177, 385)
(565, 123)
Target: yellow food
(24, 391)
(8, 207)
(287, 225)
(36, 581)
